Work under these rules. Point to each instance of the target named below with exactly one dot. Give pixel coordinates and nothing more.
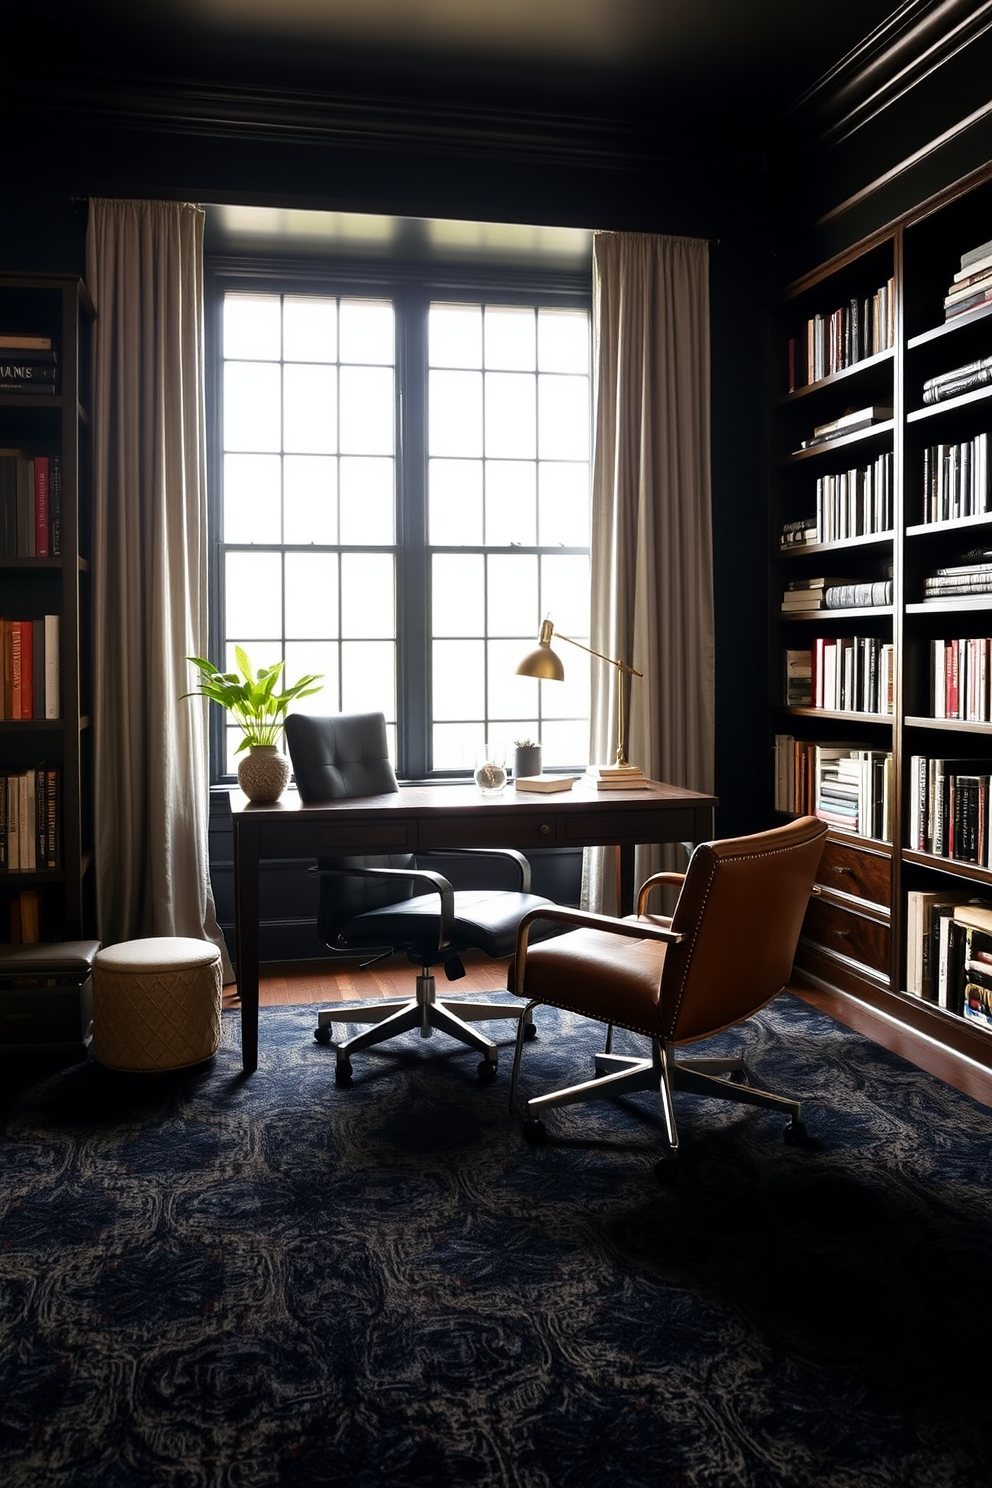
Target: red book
(15, 669)
(41, 506)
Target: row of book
(30, 505)
(949, 953)
(949, 808)
(855, 503)
(845, 785)
(835, 594)
(960, 674)
(971, 286)
(844, 336)
(841, 674)
(28, 364)
(973, 575)
(957, 381)
(956, 480)
(30, 820)
(30, 664)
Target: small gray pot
(526, 760)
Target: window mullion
(413, 585)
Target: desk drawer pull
(545, 830)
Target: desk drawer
(623, 828)
(499, 828)
(863, 875)
(377, 833)
(841, 932)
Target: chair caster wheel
(666, 1171)
(740, 1077)
(322, 1035)
(530, 1032)
(342, 1071)
(535, 1132)
(486, 1070)
(796, 1134)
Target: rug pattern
(210, 1281)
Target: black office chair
(371, 903)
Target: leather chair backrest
(741, 909)
(339, 757)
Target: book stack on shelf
(799, 678)
(949, 808)
(956, 480)
(835, 594)
(959, 678)
(971, 286)
(850, 422)
(973, 575)
(855, 503)
(29, 669)
(802, 530)
(846, 335)
(949, 954)
(959, 380)
(28, 364)
(845, 785)
(805, 594)
(30, 825)
(30, 505)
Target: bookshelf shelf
(46, 877)
(929, 778)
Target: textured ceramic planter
(526, 760)
(263, 773)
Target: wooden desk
(444, 816)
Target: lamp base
(616, 777)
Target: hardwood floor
(297, 985)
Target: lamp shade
(542, 662)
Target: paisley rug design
(213, 1281)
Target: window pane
(455, 336)
(368, 501)
(570, 699)
(509, 696)
(510, 339)
(367, 410)
(564, 504)
(368, 599)
(368, 677)
(563, 417)
(251, 327)
(458, 594)
(565, 593)
(459, 679)
(455, 746)
(252, 406)
(455, 496)
(310, 499)
(311, 595)
(512, 595)
(310, 413)
(253, 595)
(562, 340)
(251, 499)
(455, 413)
(510, 422)
(368, 332)
(511, 515)
(313, 658)
(566, 744)
(309, 329)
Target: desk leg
(246, 910)
(624, 874)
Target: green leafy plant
(251, 697)
(525, 743)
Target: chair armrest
(435, 881)
(510, 853)
(582, 918)
(653, 882)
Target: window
(402, 482)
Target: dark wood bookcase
(855, 936)
(56, 425)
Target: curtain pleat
(652, 543)
(151, 796)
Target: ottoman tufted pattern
(156, 1003)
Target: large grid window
(404, 494)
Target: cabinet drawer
(498, 828)
(841, 932)
(863, 875)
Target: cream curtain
(652, 570)
(145, 271)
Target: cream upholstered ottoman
(156, 1003)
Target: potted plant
(259, 712)
(526, 758)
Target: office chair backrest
(741, 910)
(339, 757)
(336, 758)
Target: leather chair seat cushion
(484, 918)
(600, 976)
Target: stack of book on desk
(546, 783)
(616, 777)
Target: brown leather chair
(725, 952)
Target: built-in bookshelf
(880, 662)
(46, 831)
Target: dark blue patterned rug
(214, 1282)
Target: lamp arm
(623, 666)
